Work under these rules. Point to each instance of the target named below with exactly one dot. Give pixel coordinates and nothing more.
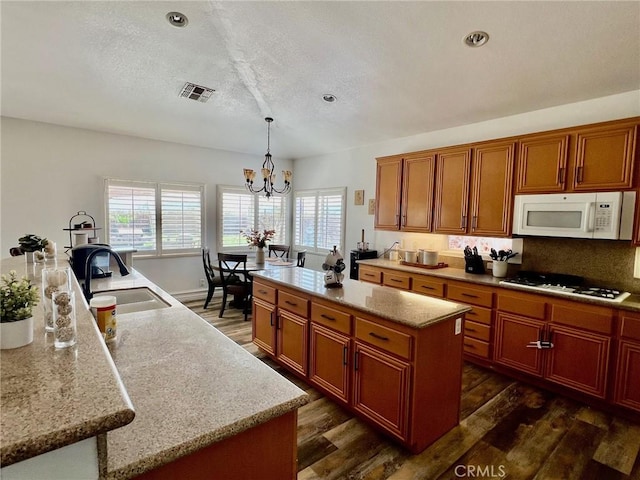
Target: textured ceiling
(397, 68)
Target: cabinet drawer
(369, 275)
(331, 318)
(477, 330)
(600, 321)
(532, 306)
(390, 340)
(479, 314)
(630, 327)
(471, 295)
(293, 303)
(476, 347)
(428, 286)
(264, 292)
(396, 280)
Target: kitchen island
(198, 397)
(394, 358)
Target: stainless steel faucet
(86, 288)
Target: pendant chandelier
(267, 173)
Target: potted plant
(17, 299)
(33, 247)
(258, 239)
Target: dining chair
(212, 280)
(279, 250)
(301, 258)
(235, 280)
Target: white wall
(356, 168)
(50, 172)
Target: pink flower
(256, 238)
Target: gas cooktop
(570, 285)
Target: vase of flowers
(259, 239)
(17, 299)
(33, 247)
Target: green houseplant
(17, 299)
(33, 246)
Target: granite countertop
(411, 309)
(51, 398)
(190, 384)
(631, 303)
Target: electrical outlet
(203, 283)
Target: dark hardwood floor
(507, 430)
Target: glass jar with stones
(53, 280)
(64, 319)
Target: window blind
(181, 219)
(131, 213)
(319, 219)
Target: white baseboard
(190, 295)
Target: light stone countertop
(190, 384)
(631, 303)
(411, 309)
(51, 398)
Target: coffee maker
(99, 263)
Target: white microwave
(604, 215)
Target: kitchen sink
(135, 299)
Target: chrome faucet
(86, 289)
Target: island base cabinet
(292, 341)
(381, 389)
(263, 325)
(329, 361)
(267, 451)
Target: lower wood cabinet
(329, 367)
(381, 388)
(627, 379)
(291, 344)
(263, 325)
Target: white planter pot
(16, 334)
(260, 256)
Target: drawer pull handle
(470, 345)
(328, 317)
(355, 361)
(428, 288)
(344, 355)
(379, 337)
(271, 318)
(469, 295)
(470, 329)
(293, 304)
(395, 280)
(368, 274)
(263, 292)
(471, 312)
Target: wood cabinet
(396, 279)
(627, 377)
(404, 192)
(368, 274)
(432, 286)
(404, 380)
(475, 194)
(451, 203)
(579, 335)
(589, 158)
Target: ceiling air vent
(196, 92)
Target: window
(240, 210)
(154, 218)
(319, 219)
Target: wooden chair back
(279, 250)
(302, 255)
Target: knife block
(474, 264)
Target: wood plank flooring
(507, 430)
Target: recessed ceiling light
(329, 98)
(476, 39)
(177, 19)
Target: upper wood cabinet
(452, 191)
(584, 159)
(404, 192)
(474, 193)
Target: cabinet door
(604, 158)
(512, 335)
(453, 169)
(263, 326)
(328, 362)
(417, 193)
(542, 164)
(292, 341)
(492, 189)
(627, 390)
(388, 193)
(381, 389)
(578, 360)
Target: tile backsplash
(601, 262)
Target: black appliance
(99, 264)
(563, 284)
(359, 255)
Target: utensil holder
(500, 269)
(474, 264)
